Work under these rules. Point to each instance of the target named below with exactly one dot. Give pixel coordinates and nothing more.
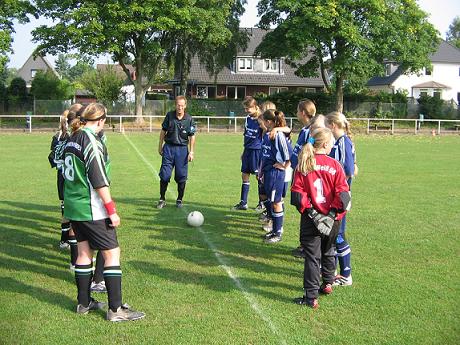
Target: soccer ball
(195, 218)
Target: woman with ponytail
(320, 193)
(275, 160)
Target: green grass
(403, 229)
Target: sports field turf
(220, 284)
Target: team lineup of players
(321, 166)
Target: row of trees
(346, 40)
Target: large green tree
(142, 31)
(347, 38)
(74, 71)
(46, 85)
(9, 11)
(453, 34)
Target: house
(32, 66)
(247, 75)
(442, 79)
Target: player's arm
(285, 130)
(191, 152)
(349, 164)
(161, 142)
(299, 195)
(342, 196)
(109, 204)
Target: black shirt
(178, 131)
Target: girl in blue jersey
(250, 159)
(306, 110)
(275, 159)
(344, 152)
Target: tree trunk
(139, 93)
(339, 93)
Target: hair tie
(311, 140)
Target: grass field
(219, 284)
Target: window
(236, 92)
(244, 64)
(33, 72)
(423, 92)
(205, 91)
(271, 65)
(306, 89)
(387, 69)
(437, 93)
(274, 90)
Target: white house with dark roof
(247, 75)
(32, 66)
(442, 79)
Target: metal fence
(229, 124)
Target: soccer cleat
(98, 287)
(93, 305)
(310, 302)
(179, 204)
(342, 281)
(124, 313)
(273, 239)
(260, 208)
(64, 245)
(325, 289)
(240, 206)
(299, 252)
(161, 204)
(263, 217)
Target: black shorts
(97, 232)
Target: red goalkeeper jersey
(321, 188)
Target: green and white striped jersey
(86, 168)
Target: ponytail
(340, 121)
(307, 161)
(63, 125)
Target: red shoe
(310, 302)
(326, 289)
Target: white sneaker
(342, 281)
(98, 287)
(268, 227)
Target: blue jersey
(252, 133)
(301, 141)
(275, 151)
(344, 152)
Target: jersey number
(69, 171)
(320, 199)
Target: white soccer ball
(195, 219)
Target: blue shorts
(174, 156)
(250, 161)
(274, 184)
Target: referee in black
(176, 145)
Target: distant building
(32, 66)
(247, 75)
(442, 79)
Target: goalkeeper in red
(321, 194)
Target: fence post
(150, 124)
(290, 122)
(235, 124)
(208, 124)
(392, 126)
(368, 124)
(439, 127)
(415, 126)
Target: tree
(17, 92)
(73, 72)
(62, 65)
(453, 34)
(46, 85)
(349, 38)
(104, 84)
(142, 31)
(9, 11)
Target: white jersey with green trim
(86, 167)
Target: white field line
(220, 258)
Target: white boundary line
(221, 259)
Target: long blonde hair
(266, 106)
(307, 161)
(340, 121)
(92, 112)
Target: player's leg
(65, 224)
(98, 283)
(245, 183)
(311, 241)
(167, 162)
(276, 198)
(328, 262)
(180, 172)
(72, 240)
(344, 257)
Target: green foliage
(17, 92)
(104, 84)
(436, 108)
(46, 85)
(453, 34)
(347, 37)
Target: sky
(441, 13)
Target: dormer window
(33, 72)
(245, 64)
(271, 65)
